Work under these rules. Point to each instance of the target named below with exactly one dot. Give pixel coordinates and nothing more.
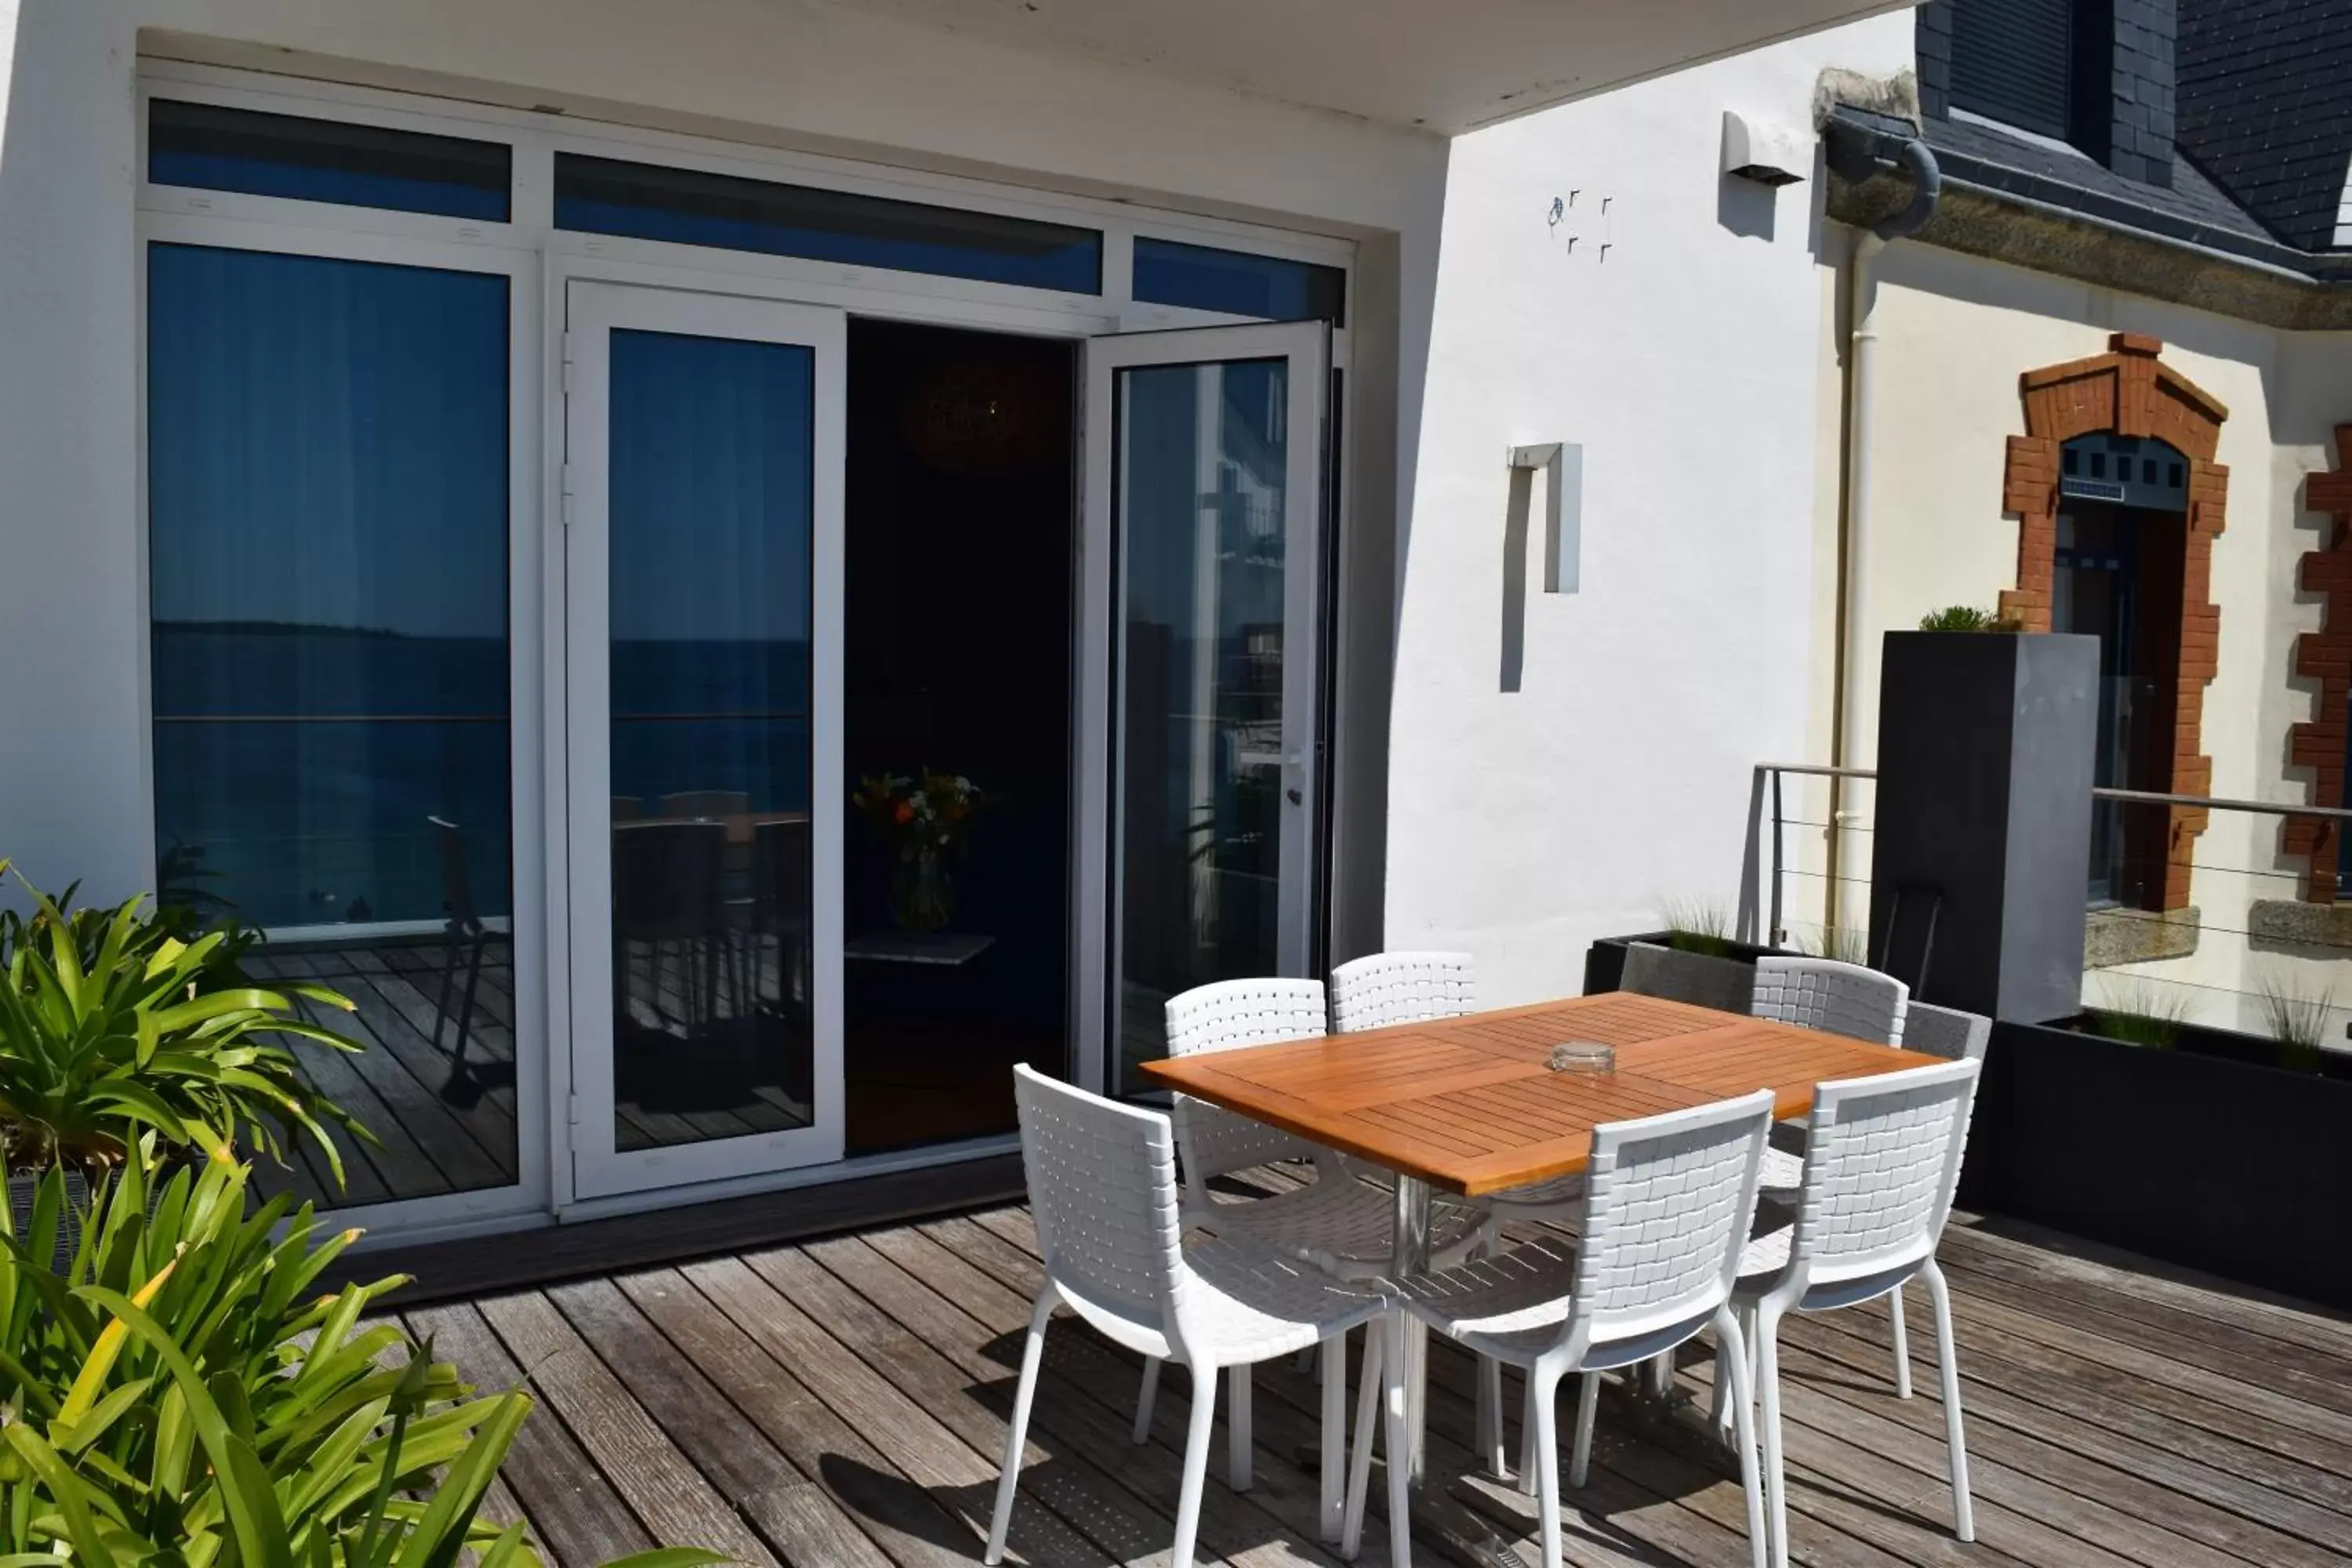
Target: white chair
(1669, 1200)
(1102, 1186)
(1337, 1222)
(1848, 999)
(1388, 989)
(1882, 1159)
(1823, 994)
(1385, 990)
(1839, 999)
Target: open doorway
(956, 885)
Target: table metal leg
(1411, 1255)
(1437, 1518)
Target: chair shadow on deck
(891, 1499)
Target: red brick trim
(2325, 655)
(2130, 391)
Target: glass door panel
(1210, 461)
(705, 463)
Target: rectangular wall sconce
(1562, 464)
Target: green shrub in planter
(180, 1395)
(109, 1025)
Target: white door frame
(589, 1165)
(1095, 910)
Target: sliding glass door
(704, 450)
(1205, 459)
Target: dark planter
(1605, 961)
(1982, 822)
(2230, 1166)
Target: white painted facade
(1612, 781)
(1668, 324)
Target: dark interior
(2120, 579)
(961, 529)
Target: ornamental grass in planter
(1696, 959)
(2128, 1123)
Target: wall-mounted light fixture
(1562, 464)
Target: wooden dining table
(1470, 1105)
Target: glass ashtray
(1582, 1055)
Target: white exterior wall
(1614, 781)
(1955, 333)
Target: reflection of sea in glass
(327, 479)
(710, 532)
(1201, 496)
(327, 548)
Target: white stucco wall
(1955, 333)
(1525, 823)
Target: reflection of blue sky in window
(327, 480)
(326, 443)
(710, 469)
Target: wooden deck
(844, 1402)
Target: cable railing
(1765, 870)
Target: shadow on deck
(845, 1401)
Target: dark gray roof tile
(2266, 108)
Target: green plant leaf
(246, 1492)
(66, 1491)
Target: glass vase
(922, 896)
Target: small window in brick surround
(2135, 470)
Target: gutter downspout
(1855, 740)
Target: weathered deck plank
(844, 1402)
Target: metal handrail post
(1749, 869)
(1779, 935)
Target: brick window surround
(2128, 391)
(2325, 655)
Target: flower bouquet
(921, 817)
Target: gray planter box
(1647, 965)
(1985, 746)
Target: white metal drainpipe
(1855, 738)
(1860, 368)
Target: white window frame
(541, 257)
(1304, 347)
(527, 633)
(595, 307)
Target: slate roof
(2264, 107)
(2192, 199)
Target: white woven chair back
(1102, 1186)
(1946, 1032)
(1668, 1203)
(1882, 1159)
(1390, 988)
(1841, 999)
(1220, 1017)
